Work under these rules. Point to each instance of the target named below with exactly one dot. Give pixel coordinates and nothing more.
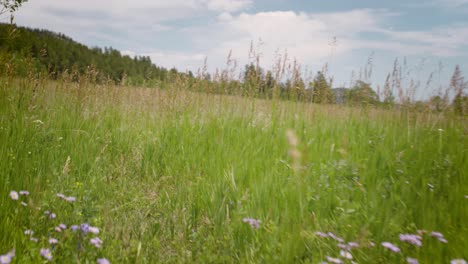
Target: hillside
(55, 53)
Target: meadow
(172, 176)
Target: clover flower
(14, 195)
(45, 252)
(390, 246)
(412, 239)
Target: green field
(169, 176)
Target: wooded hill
(56, 53)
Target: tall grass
(169, 176)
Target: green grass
(168, 176)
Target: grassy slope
(169, 176)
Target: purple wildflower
(343, 246)
(52, 216)
(254, 223)
(84, 228)
(58, 229)
(74, 228)
(412, 260)
(5, 259)
(93, 230)
(334, 260)
(61, 196)
(53, 241)
(439, 236)
(390, 246)
(45, 252)
(321, 234)
(346, 254)
(353, 244)
(103, 261)
(458, 261)
(25, 193)
(14, 195)
(339, 239)
(70, 199)
(96, 242)
(412, 239)
(63, 226)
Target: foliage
(322, 92)
(56, 53)
(362, 94)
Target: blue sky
(182, 33)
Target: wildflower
(346, 254)
(74, 228)
(47, 213)
(334, 260)
(412, 239)
(390, 246)
(321, 234)
(439, 236)
(84, 228)
(14, 195)
(25, 193)
(353, 244)
(70, 199)
(412, 260)
(343, 246)
(103, 261)
(458, 261)
(254, 223)
(61, 196)
(29, 232)
(24, 204)
(52, 216)
(53, 241)
(33, 239)
(45, 252)
(5, 259)
(93, 230)
(58, 229)
(63, 226)
(339, 239)
(96, 242)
